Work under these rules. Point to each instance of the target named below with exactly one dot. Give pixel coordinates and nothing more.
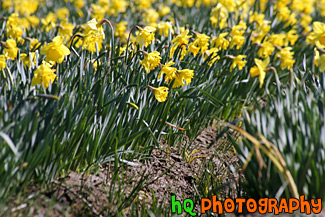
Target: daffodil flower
(286, 57)
(27, 57)
(266, 49)
(220, 42)
(180, 41)
(183, 77)
(146, 35)
(213, 52)
(322, 63)
(94, 33)
(170, 72)
(35, 44)
(161, 93)
(150, 17)
(44, 75)
(318, 34)
(260, 69)
(2, 61)
(201, 42)
(164, 28)
(319, 61)
(98, 12)
(120, 29)
(237, 61)
(151, 60)
(219, 16)
(56, 50)
(11, 49)
(49, 21)
(316, 57)
(66, 29)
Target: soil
(170, 171)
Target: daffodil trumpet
(160, 93)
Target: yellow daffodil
(286, 57)
(261, 32)
(120, 29)
(56, 50)
(143, 4)
(62, 13)
(2, 61)
(183, 77)
(79, 3)
(319, 61)
(277, 39)
(150, 17)
(34, 44)
(237, 61)
(26, 7)
(238, 41)
(260, 69)
(94, 28)
(31, 21)
(161, 93)
(117, 6)
(213, 52)
(194, 48)
(164, 28)
(49, 21)
(65, 28)
(231, 5)
(219, 16)
(239, 29)
(256, 17)
(180, 41)
(163, 10)
(322, 63)
(94, 33)
(13, 20)
(151, 60)
(291, 37)
(14, 29)
(98, 12)
(44, 75)
(11, 49)
(220, 42)
(292, 20)
(318, 34)
(146, 35)
(170, 72)
(266, 49)
(26, 58)
(283, 14)
(316, 57)
(201, 42)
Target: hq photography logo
(239, 205)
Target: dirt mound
(169, 171)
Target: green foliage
(293, 120)
(88, 115)
(84, 118)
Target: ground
(169, 171)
